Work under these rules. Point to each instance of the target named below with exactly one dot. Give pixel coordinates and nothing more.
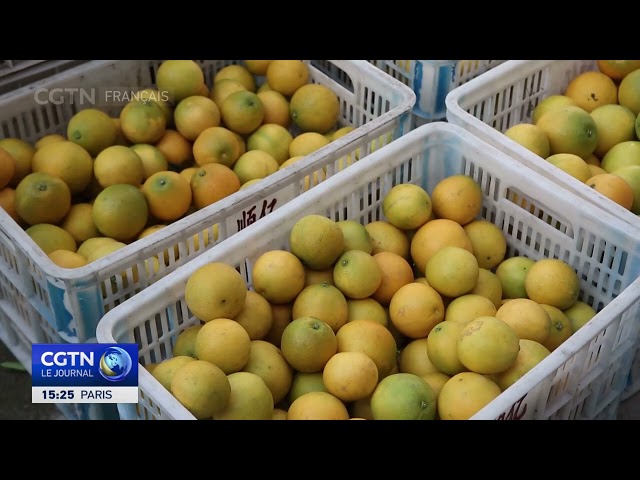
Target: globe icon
(115, 364)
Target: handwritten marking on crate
(260, 209)
(516, 412)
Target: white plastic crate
(432, 80)
(18, 73)
(583, 378)
(488, 105)
(66, 305)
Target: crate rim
(248, 196)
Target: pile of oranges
(174, 149)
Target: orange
(185, 343)
(154, 95)
(239, 73)
(629, 92)
(464, 395)
(67, 259)
(188, 172)
(324, 302)
(549, 103)
(223, 88)
(531, 137)
(313, 277)
(592, 89)
(211, 183)
(266, 361)
(165, 370)
(42, 198)
(93, 130)
(216, 145)
(314, 108)
(142, 122)
(317, 241)
(271, 138)
(8, 203)
(452, 271)
(350, 376)
(51, 138)
(278, 275)
(488, 243)
(570, 129)
(281, 315)
(415, 309)
(250, 399)
(372, 339)
(51, 238)
(531, 353)
(595, 170)
(612, 187)
(79, 222)
(552, 282)
(256, 316)
(317, 406)
(7, 168)
(117, 165)
(257, 67)
(561, 328)
(615, 124)
(571, 164)
(468, 307)
(618, 69)
(527, 318)
(195, 114)
(407, 206)
(308, 343)
(65, 160)
(168, 195)
(414, 358)
(357, 274)
(487, 345)
(215, 290)
(442, 347)
(403, 396)
(512, 273)
(276, 108)
(179, 79)
(254, 165)
(396, 273)
(435, 235)
(225, 343)
(242, 112)
(153, 160)
(286, 76)
(304, 383)
(120, 212)
(367, 309)
(389, 238)
(201, 387)
(307, 143)
(22, 152)
(87, 247)
(457, 198)
(175, 148)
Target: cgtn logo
(85, 372)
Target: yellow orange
(213, 182)
(168, 195)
